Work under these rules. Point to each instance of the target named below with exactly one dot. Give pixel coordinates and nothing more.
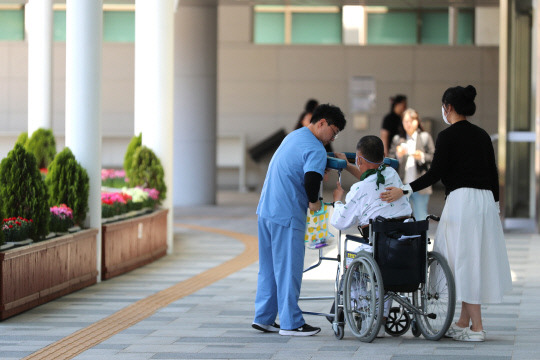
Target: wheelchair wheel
(339, 332)
(436, 298)
(398, 321)
(414, 329)
(363, 297)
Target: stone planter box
(132, 243)
(34, 274)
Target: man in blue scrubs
(291, 186)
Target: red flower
(10, 226)
(18, 223)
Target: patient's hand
(391, 194)
(338, 192)
(340, 156)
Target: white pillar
(154, 71)
(195, 105)
(84, 23)
(39, 27)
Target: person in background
(305, 118)
(414, 152)
(391, 124)
(291, 186)
(469, 234)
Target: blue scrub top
(283, 197)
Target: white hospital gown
(363, 202)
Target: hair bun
(470, 92)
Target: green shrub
(146, 171)
(68, 183)
(134, 144)
(22, 139)
(43, 146)
(23, 191)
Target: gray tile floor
(214, 323)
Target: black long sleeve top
(464, 157)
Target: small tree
(23, 191)
(134, 144)
(146, 171)
(43, 146)
(68, 183)
(22, 139)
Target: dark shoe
(341, 316)
(266, 328)
(305, 330)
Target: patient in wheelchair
(363, 201)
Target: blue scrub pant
(420, 205)
(281, 265)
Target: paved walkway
(214, 321)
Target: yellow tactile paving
(96, 333)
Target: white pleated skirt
(471, 238)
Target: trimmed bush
(134, 144)
(68, 183)
(43, 146)
(22, 139)
(23, 191)
(146, 171)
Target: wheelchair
(398, 268)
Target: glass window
(269, 28)
(392, 28)
(434, 27)
(465, 27)
(59, 25)
(119, 26)
(12, 25)
(316, 28)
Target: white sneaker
(453, 330)
(469, 335)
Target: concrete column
(154, 73)
(39, 27)
(84, 23)
(195, 105)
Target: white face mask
(444, 116)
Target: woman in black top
(391, 124)
(470, 233)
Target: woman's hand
(418, 155)
(338, 192)
(391, 194)
(401, 151)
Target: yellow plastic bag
(317, 232)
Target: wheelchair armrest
(356, 238)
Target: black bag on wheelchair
(400, 252)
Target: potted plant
(23, 191)
(17, 230)
(43, 146)
(146, 171)
(133, 242)
(61, 219)
(37, 273)
(68, 183)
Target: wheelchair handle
(433, 217)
